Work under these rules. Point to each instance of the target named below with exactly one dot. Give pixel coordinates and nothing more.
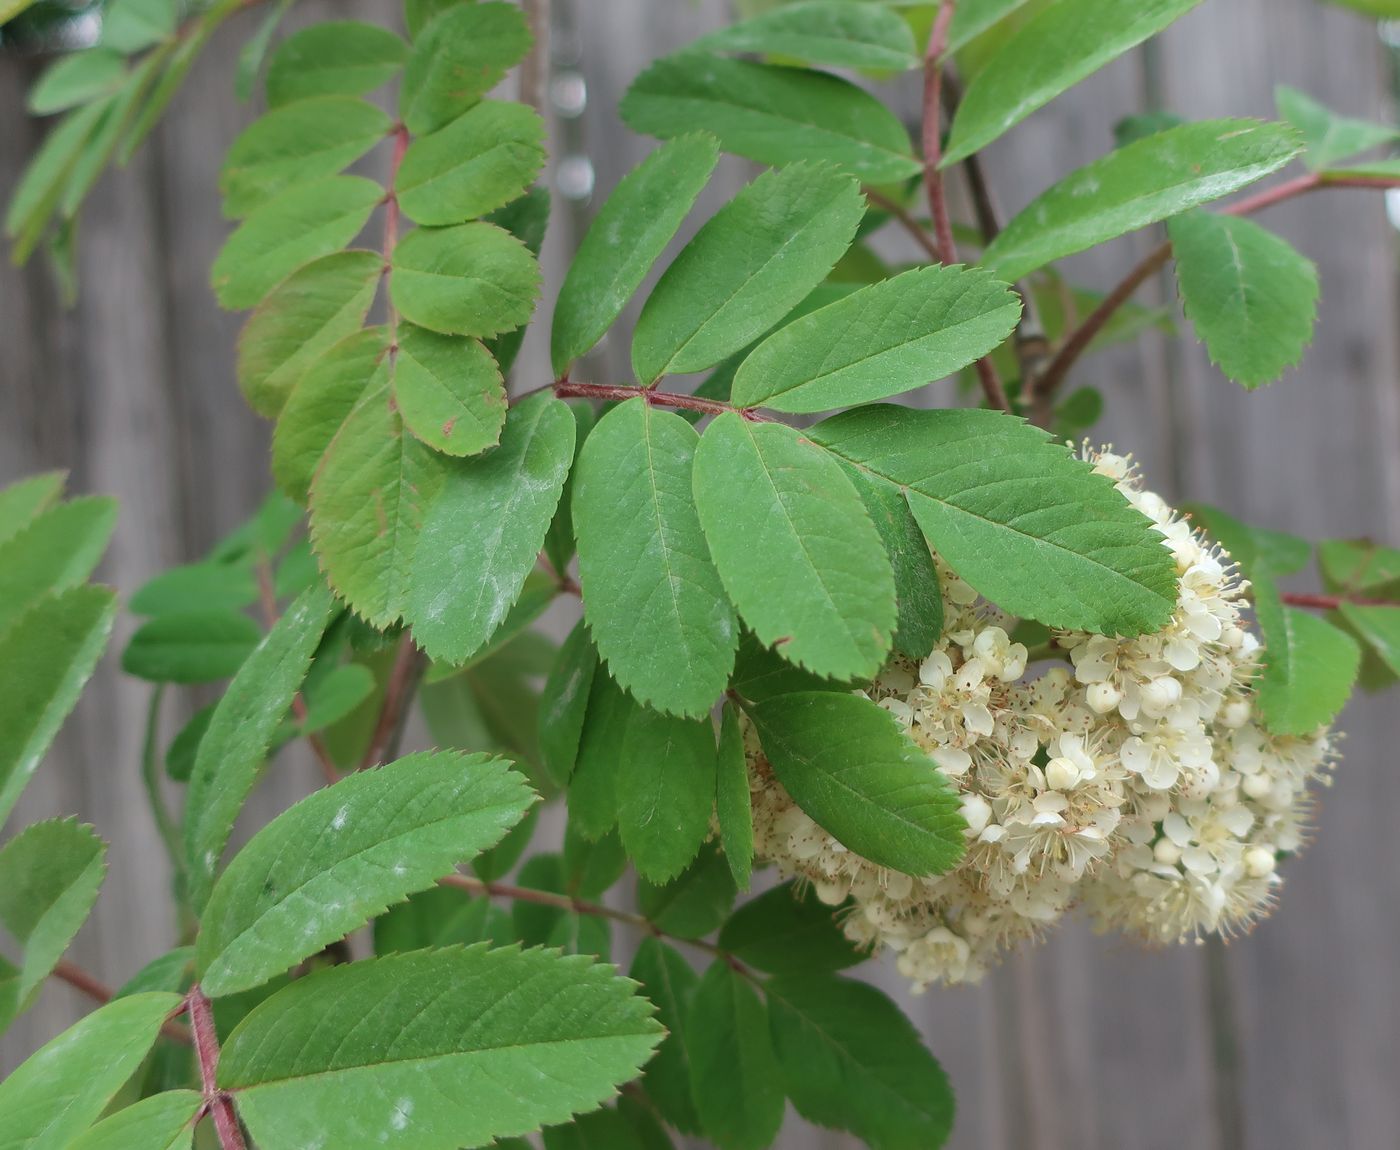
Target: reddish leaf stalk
(217, 1102)
(403, 681)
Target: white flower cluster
(1130, 777)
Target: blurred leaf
(190, 646)
(57, 549)
(669, 983)
(733, 803)
(788, 930)
(826, 33)
(1328, 137)
(196, 587)
(695, 902)
(76, 79)
(336, 57)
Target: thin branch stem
(217, 1102)
(905, 220)
(567, 389)
(97, 990)
(409, 665)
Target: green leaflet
(600, 1130)
(1309, 666)
(448, 390)
(794, 546)
(1157, 177)
(475, 279)
(852, 768)
(37, 193)
(338, 57)
(770, 114)
(851, 1060)
(695, 902)
(1379, 627)
(333, 861)
(190, 646)
(483, 159)
(559, 546)
(746, 268)
(441, 916)
(733, 804)
(1251, 295)
(787, 930)
(537, 594)
(295, 144)
(889, 337)
(826, 33)
(242, 729)
(669, 982)
(61, 1089)
(336, 695)
(321, 401)
(1016, 515)
(665, 791)
(302, 224)
(192, 586)
(45, 658)
(306, 315)
(130, 25)
(515, 1040)
(1053, 51)
(1328, 137)
(973, 17)
(652, 597)
(564, 703)
(733, 1072)
(24, 499)
(50, 874)
(76, 79)
(160, 1122)
(369, 500)
(1359, 566)
(627, 236)
(592, 792)
(57, 549)
(482, 532)
(457, 58)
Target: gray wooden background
(1285, 1040)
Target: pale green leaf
(130, 25)
(338, 57)
(1158, 177)
(788, 930)
(665, 791)
(1328, 137)
(733, 1072)
(482, 532)
(474, 279)
(746, 268)
(240, 732)
(564, 703)
(302, 318)
(850, 1059)
(669, 982)
(1016, 515)
(448, 390)
(771, 114)
(514, 1039)
(794, 546)
(56, 550)
(1251, 295)
(369, 501)
(1058, 47)
(45, 658)
(457, 58)
(77, 79)
(826, 33)
(190, 646)
(50, 874)
(320, 402)
(161, 1122)
(696, 901)
(627, 236)
(25, 499)
(892, 336)
(1310, 666)
(336, 859)
(733, 803)
(485, 158)
(62, 1088)
(652, 597)
(304, 223)
(854, 770)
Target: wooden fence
(1285, 1040)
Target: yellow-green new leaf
(448, 390)
(794, 546)
(1251, 295)
(337, 57)
(1157, 177)
(308, 313)
(652, 597)
(627, 236)
(883, 339)
(475, 279)
(333, 861)
(750, 264)
(514, 1040)
(1061, 45)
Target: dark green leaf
(475, 279)
(746, 268)
(190, 646)
(696, 902)
(564, 703)
(787, 930)
(593, 786)
(669, 983)
(457, 58)
(733, 804)
(761, 673)
(665, 790)
(441, 916)
(601, 1130)
(852, 768)
(794, 546)
(592, 868)
(338, 57)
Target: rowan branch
(217, 1102)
